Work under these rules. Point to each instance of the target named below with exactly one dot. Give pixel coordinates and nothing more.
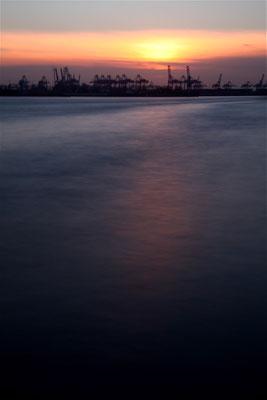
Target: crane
(189, 78)
(173, 83)
(198, 84)
(247, 85)
(55, 76)
(43, 83)
(24, 83)
(228, 85)
(140, 82)
(169, 77)
(190, 82)
(259, 85)
(217, 85)
(183, 81)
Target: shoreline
(130, 95)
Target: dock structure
(65, 83)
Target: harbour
(66, 84)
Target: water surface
(134, 243)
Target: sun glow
(24, 48)
(158, 50)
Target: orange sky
(22, 48)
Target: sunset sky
(134, 37)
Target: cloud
(75, 16)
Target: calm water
(134, 243)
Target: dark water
(133, 248)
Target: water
(134, 244)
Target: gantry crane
(247, 85)
(217, 85)
(184, 82)
(173, 83)
(228, 85)
(169, 77)
(24, 83)
(43, 83)
(259, 85)
(55, 76)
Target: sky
(131, 37)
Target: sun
(157, 50)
